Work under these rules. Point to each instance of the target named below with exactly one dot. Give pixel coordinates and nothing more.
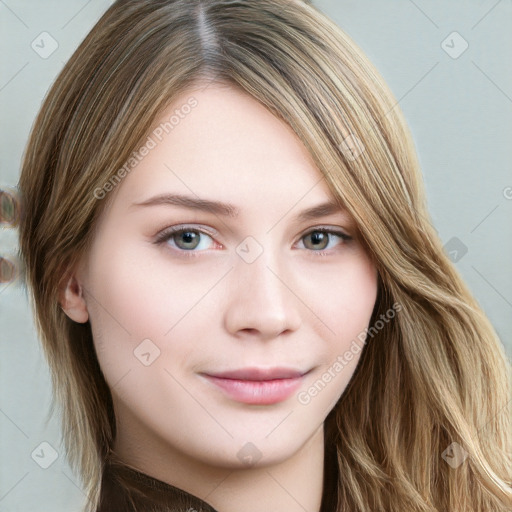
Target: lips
(257, 386)
(260, 374)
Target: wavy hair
(434, 379)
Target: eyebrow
(229, 210)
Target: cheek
(345, 307)
(144, 292)
(139, 302)
(345, 301)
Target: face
(223, 301)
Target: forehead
(219, 142)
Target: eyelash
(165, 235)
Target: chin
(257, 449)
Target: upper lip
(259, 374)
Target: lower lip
(265, 392)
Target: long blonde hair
(433, 380)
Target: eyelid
(327, 227)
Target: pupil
(317, 237)
(187, 238)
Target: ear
(72, 300)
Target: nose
(261, 300)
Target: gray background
(458, 105)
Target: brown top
(124, 489)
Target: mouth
(257, 386)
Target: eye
(318, 239)
(192, 241)
(184, 238)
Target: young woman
(236, 281)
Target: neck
(294, 485)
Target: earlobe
(72, 301)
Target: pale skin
(214, 311)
